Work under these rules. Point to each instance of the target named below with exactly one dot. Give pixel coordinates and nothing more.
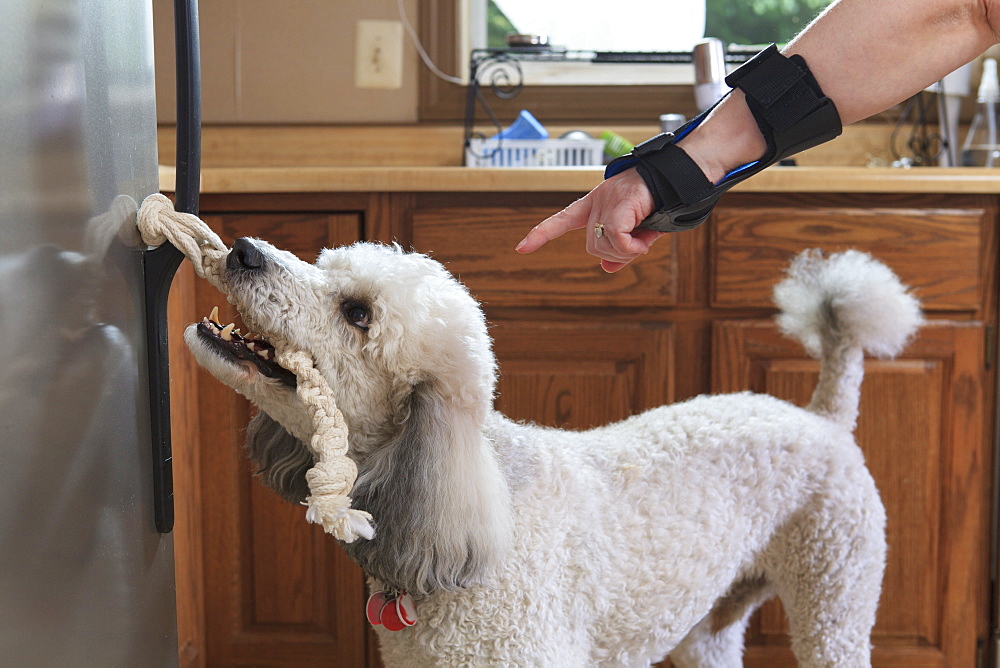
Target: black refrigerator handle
(159, 264)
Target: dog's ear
(440, 500)
(281, 459)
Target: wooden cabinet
(578, 348)
(942, 252)
(923, 422)
(919, 413)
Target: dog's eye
(356, 314)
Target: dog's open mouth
(230, 343)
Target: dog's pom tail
(849, 296)
(840, 307)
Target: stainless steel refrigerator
(85, 577)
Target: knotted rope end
(335, 515)
(159, 222)
(330, 482)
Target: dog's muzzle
(232, 345)
(244, 256)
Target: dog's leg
(717, 640)
(829, 578)
(706, 648)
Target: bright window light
(597, 25)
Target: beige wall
(284, 61)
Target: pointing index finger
(572, 217)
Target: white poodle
(523, 545)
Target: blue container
(525, 126)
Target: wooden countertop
(287, 179)
(294, 159)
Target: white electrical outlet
(378, 58)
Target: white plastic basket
(534, 153)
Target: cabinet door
(476, 243)
(945, 254)
(922, 431)
(581, 375)
(277, 591)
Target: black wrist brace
(791, 112)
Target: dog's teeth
(251, 345)
(215, 314)
(227, 333)
(266, 354)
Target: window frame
(440, 29)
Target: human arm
(866, 55)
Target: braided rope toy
(332, 477)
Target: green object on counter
(615, 145)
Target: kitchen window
(641, 25)
(577, 91)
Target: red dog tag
(406, 609)
(393, 612)
(390, 618)
(373, 609)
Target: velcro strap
(768, 74)
(782, 88)
(671, 166)
(681, 171)
(654, 144)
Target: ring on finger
(599, 230)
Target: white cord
(420, 48)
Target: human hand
(619, 204)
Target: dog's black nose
(244, 255)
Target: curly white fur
(530, 546)
(840, 307)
